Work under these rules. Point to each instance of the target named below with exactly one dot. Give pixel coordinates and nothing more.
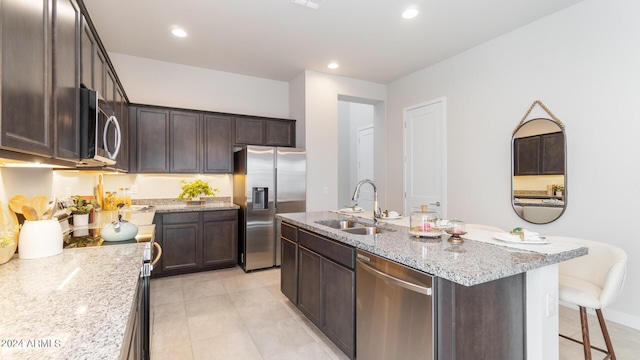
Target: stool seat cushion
(579, 292)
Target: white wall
(156, 82)
(582, 63)
(321, 126)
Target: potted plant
(191, 191)
(558, 189)
(81, 209)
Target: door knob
(437, 203)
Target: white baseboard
(611, 315)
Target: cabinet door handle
(394, 280)
(114, 120)
(158, 253)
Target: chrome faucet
(376, 209)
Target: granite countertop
(208, 206)
(75, 305)
(470, 263)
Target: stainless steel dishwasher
(394, 310)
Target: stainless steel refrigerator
(266, 181)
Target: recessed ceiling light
(179, 32)
(333, 66)
(410, 13)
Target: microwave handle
(113, 119)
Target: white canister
(40, 239)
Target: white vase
(80, 220)
(559, 193)
(40, 239)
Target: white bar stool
(593, 281)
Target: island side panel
(542, 313)
(487, 319)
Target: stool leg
(605, 334)
(585, 333)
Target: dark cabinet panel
(339, 305)
(217, 146)
(527, 156)
(325, 287)
(25, 50)
(87, 56)
(196, 240)
(288, 269)
(552, 154)
(184, 146)
(180, 247)
(152, 140)
(310, 285)
(66, 78)
(280, 133)
(462, 328)
(263, 131)
(539, 155)
(220, 244)
(249, 131)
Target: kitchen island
(471, 265)
(75, 305)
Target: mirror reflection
(539, 170)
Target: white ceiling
(276, 39)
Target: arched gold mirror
(539, 167)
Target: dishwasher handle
(394, 280)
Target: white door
(425, 157)
(365, 167)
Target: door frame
(443, 170)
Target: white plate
(351, 211)
(391, 217)
(516, 239)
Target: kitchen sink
(340, 224)
(364, 230)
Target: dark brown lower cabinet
(288, 269)
(326, 288)
(220, 238)
(196, 241)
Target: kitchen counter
(208, 206)
(470, 263)
(74, 305)
(70, 306)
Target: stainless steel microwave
(100, 134)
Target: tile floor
(228, 314)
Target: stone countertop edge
(187, 208)
(468, 264)
(75, 305)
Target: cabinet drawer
(288, 232)
(179, 218)
(220, 215)
(342, 254)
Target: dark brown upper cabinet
(539, 155)
(262, 131)
(280, 132)
(67, 23)
(181, 141)
(26, 84)
(217, 146)
(184, 142)
(152, 140)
